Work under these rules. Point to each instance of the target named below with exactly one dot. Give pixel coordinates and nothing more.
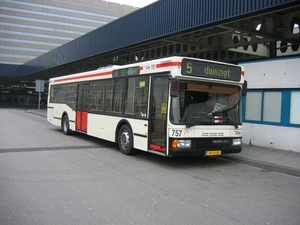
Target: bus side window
(129, 97)
(141, 93)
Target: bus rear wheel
(65, 125)
(125, 140)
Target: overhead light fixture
(258, 27)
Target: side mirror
(244, 88)
(174, 89)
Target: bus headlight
(181, 143)
(236, 141)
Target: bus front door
(82, 107)
(158, 115)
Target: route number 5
(189, 67)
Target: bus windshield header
(210, 70)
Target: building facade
(30, 28)
(272, 105)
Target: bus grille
(212, 134)
(212, 143)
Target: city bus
(174, 106)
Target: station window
(295, 107)
(273, 107)
(253, 99)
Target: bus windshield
(200, 103)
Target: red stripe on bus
(157, 148)
(167, 64)
(83, 76)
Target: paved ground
(50, 178)
(270, 159)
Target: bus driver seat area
(190, 113)
(197, 112)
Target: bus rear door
(82, 107)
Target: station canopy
(229, 31)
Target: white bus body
(107, 104)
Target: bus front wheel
(65, 125)
(125, 140)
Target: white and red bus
(174, 106)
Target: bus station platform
(282, 161)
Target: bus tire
(125, 140)
(65, 125)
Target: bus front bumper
(206, 147)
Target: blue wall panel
(165, 17)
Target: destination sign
(210, 70)
(126, 72)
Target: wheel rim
(124, 139)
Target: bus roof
(144, 67)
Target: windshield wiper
(191, 125)
(231, 122)
(194, 124)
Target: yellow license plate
(211, 153)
